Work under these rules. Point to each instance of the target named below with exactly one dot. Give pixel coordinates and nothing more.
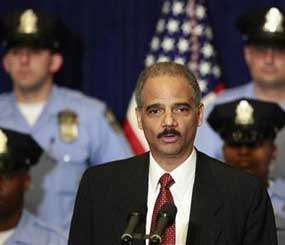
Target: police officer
(248, 128)
(18, 152)
(263, 31)
(75, 131)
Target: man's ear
(139, 119)
(56, 63)
(201, 114)
(247, 54)
(5, 63)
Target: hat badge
(28, 22)
(273, 21)
(244, 113)
(3, 142)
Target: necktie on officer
(163, 197)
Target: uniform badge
(68, 125)
(113, 121)
(28, 22)
(3, 142)
(273, 22)
(3, 148)
(244, 113)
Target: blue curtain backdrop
(111, 37)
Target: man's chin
(271, 83)
(28, 87)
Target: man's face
(30, 68)
(254, 159)
(266, 65)
(12, 188)
(169, 117)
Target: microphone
(165, 218)
(134, 218)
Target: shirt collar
(181, 174)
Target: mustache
(168, 131)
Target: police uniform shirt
(55, 181)
(32, 231)
(208, 141)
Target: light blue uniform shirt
(208, 141)
(32, 231)
(277, 195)
(56, 177)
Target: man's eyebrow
(156, 105)
(183, 104)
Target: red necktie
(164, 196)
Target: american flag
(183, 34)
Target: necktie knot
(166, 181)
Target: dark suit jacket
(229, 207)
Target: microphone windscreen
(168, 209)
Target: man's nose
(24, 56)
(169, 120)
(244, 150)
(269, 55)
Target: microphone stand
(138, 236)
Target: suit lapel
(204, 225)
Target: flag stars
(154, 43)
(163, 58)
(205, 68)
(177, 8)
(198, 30)
(179, 60)
(216, 71)
(160, 25)
(149, 60)
(200, 12)
(183, 45)
(202, 85)
(167, 44)
(186, 28)
(209, 33)
(208, 50)
(172, 26)
(166, 7)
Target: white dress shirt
(181, 191)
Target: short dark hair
(171, 69)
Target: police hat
(264, 26)
(18, 151)
(31, 28)
(247, 121)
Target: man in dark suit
(216, 204)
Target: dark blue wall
(115, 34)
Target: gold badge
(28, 22)
(273, 22)
(68, 125)
(244, 113)
(3, 142)
(113, 121)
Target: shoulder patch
(113, 122)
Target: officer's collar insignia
(273, 21)
(68, 125)
(244, 113)
(28, 22)
(3, 142)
